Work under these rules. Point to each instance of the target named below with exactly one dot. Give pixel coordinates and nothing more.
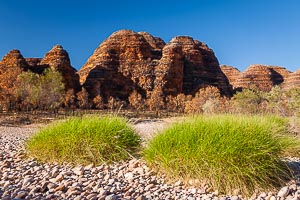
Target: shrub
(206, 100)
(229, 152)
(136, 100)
(84, 140)
(249, 101)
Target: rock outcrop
(128, 60)
(58, 59)
(279, 74)
(15, 59)
(155, 42)
(170, 70)
(35, 66)
(11, 66)
(292, 81)
(188, 65)
(231, 73)
(123, 62)
(33, 62)
(262, 77)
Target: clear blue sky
(241, 32)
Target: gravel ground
(22, 178)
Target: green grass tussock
(228, 152)
(84, 140)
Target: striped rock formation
(128, 61)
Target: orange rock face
(292, 81)
(231, 73)
(14, 58)
(169, 72)
(188, 65)
(279, 74)
(123, 62)
(263, 77)
(57, 59)
(128, 60)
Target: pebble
(235, 198)
(23, 178)
(283, 192)
(21, 195)
(273, 198)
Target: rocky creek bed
(23, 178)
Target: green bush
(84, 140)
(228, 152)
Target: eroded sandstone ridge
(123, 62)
(292, 81)
(231, 73)
(57, 58)
(263, 77)
(128, 61)
(15, 59)
(188, 65)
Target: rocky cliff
(188, 65)
(292, 81)
(123, 62)
(15, 59)
(231, 73)
(128, 60)
(279, 74)
(263, 77)
(57, 58)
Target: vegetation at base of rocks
(43, 92)
(28, 91)
(84, 140)
(227, 152)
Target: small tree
(33, 91)
(155, 100)
(136, 100)
(28, 91)
(53, 90)
(277, 101)
(177, 103)
(115, 103)
(249, 101)
(70, 98)
(293, 98)
(98, 102)
(205, 100)
(83, 99)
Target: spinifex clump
(84, 140)
(229, 152)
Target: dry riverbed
(22, 178)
